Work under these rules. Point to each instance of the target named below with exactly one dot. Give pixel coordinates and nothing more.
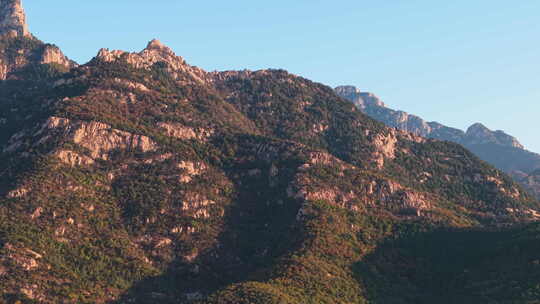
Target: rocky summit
(496, 147)
(20, 51)
(13, 19)
(478, 134)
(139, 178)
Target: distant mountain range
(496, 147)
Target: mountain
(530, 181)
(496, 147)
(138, 178)
(476, 134)
(13, 23)
(20, 51)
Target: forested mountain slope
(138, 178)
(496, 147)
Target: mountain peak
(156, 52)
(477, 127)
(480, 134)
(362, 100)
(156, 44)
(347, 90)
(13, 19)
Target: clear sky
(456, 62)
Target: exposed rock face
(374, 107)
(380, 193)
(25, 258)
(73, 158)
(479, 134)
(362, 100)
(182, 132)
(496, 147)
(157, 53)
(530, 181)
(52, 54)
(386, 148)
(19, 47)
(131, 85)
(191, 170)
(3, 69)
(98, 138)
(13, 19)
(124, 179)
(19, 192)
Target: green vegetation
(13, 46)
(283, 200)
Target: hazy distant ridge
(496, 147)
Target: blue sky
(456, 62)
